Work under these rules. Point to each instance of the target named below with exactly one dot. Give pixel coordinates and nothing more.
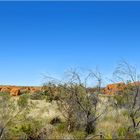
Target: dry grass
(45, 110)
(112, 123)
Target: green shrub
(23, 101)
(4, 93)
(125, 113)
(32, 129)
(138, 135)
(50, 98)
(108, 136)
(122, 131)
(79, 134)
(37, 96)
(62, 127)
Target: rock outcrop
(15, 92)
(18, 90)
(114, 88)
(5, 89)
(110, 89)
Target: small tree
(10, 109)
(77, 104)
(130, 96)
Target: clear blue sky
(50, 37)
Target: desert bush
(4, 93)
(62, 127)
(50, 98)
(11, 110)
(79, 134)
(51, 92)
(55, 121)
(32, 129)
(122, 132)
(137, 134)
(7, 110)
(45, 94)
(23, 101)
(38, 96)
(15, 133)
(75, 100)
(130, 95)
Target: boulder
(114, 88)
(15, 92)
(5, 89)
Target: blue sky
(51, 37)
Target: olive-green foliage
(50, 91)
(15, 133)
(38, 96)
(122, 132)
(75, 101)
(4, 93)
(23, 101)
(129, 100)
(125, 98)
(31, 129)
(11, 111)
(7, 107)
(50, 98)
(61, 127)
(79, 134)
(138, 134)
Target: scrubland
(71, 110)
(42, 119)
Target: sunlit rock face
(114, 88)
(5, 89)
(18, 90)
(15, 92)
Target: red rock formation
(34, 90)
(15, 92)
(5, 89)
(114, 88)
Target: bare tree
(130, 97)
(77, 104)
